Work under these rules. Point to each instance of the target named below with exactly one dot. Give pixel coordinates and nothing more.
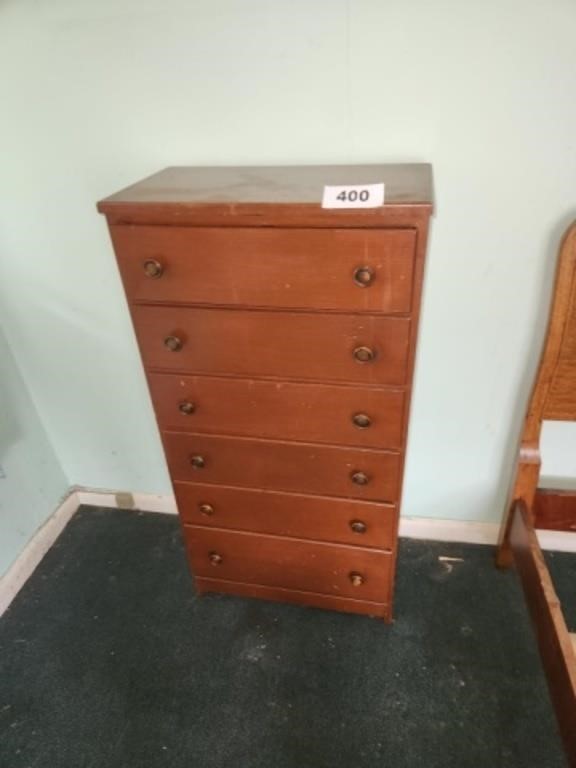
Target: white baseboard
(25, 564)
(468, 532)
(145, 502)
(427, 528)
(557, 541)
(463, 531)
(430, 529)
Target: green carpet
(109, 660)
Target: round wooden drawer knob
(364, 354)
(187, 408)
(364, 276)
(206, 509)
(361, 420)
(358, 526)
(215, 558)
(173, 343)
(356, 579)
(198, 462)
(153, 268)
(360, 478)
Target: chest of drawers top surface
(268, 196)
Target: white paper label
(353, 196)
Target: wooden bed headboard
(556, 509)
(554, 395)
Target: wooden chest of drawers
(278, 339)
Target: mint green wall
(32, 481)
(96, 95)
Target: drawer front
(301, 467)
(363, 574)
(282, 410)
(299, 268)
(344, 521)
(368, 349)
